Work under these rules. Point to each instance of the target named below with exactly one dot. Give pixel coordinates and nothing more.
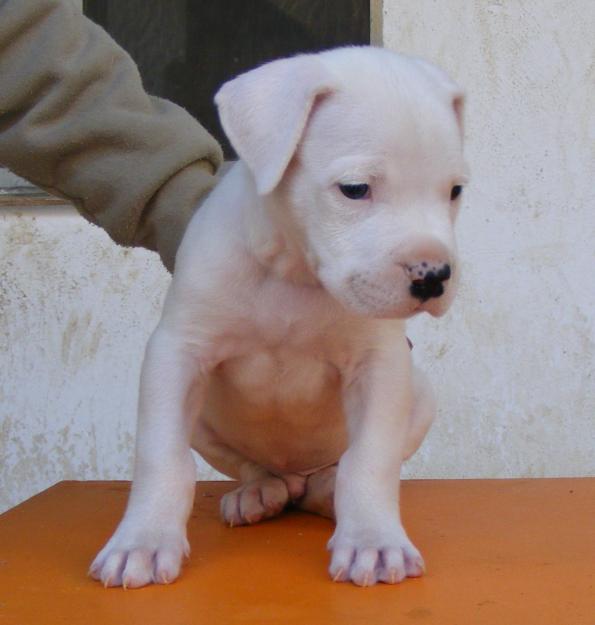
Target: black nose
(430, 285)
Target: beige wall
(513, 363)
(75, 314)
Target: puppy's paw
(135, 558)
(319, 493)
(254, 501)
(366, 557)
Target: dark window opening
(185, 49)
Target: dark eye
(455, 192)
(355, 191)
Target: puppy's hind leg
(261, 495)
(320, 493)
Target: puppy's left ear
(452, 90)
(458, 104)
(264, 113)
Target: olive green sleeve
(76, 121)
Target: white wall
(513, 362)
(75, 314)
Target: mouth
(434, 307)
(382, 299)
(402, 310)
(368, 305)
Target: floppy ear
(264, 113)
(453, 91)
(458, 104)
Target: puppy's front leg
(370, 543)
(150, 541)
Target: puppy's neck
(275, 244)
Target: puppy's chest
(287, 350)
(286, 317)
(279, 377)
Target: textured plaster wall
(75, 314)
(513, 363)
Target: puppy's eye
(355, 191)
(455, 192)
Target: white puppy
(281, 355)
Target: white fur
(282, 349)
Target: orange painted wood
(514, 552)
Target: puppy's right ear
(264, 113)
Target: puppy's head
(361, 150)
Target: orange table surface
(503, 552)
